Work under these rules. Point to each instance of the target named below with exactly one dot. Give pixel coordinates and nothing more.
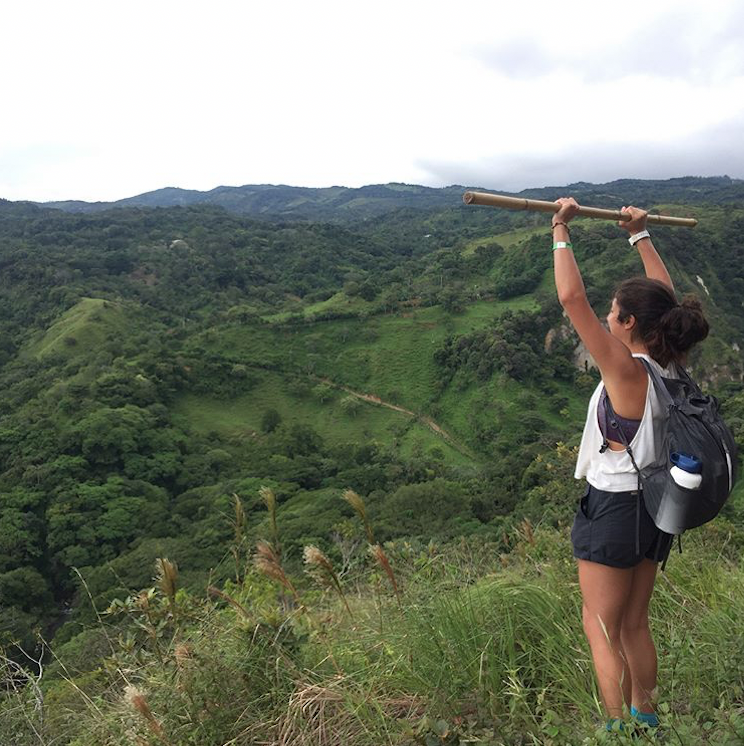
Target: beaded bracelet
(560, 222)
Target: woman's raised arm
(610, 354)
(652, 262)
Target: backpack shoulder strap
(656, 378)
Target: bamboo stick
(518, 203)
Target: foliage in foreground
(471, 646)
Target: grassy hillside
(390, 355)
(471, 645)
(506, 239)
(80, 330)
(339, 418)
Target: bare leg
(636, 638)
(605, 592)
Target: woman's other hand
(637, 222)
(569, 207)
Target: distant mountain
(647, 192)
(336, 204)
(342, 204)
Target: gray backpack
(696, 468)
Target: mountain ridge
(344, 204)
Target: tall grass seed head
(356, 502)
(313, 557)
(240, 519)
(269, 498)
(267, 561)
(382, 559)
(166, 575)
(136, 699)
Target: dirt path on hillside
(431, 424)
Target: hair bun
(684, 325)
(691, 303)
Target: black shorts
(604, 530)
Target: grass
(505, 240)
(484, 648)
(337, 302)
(80, 329)
(387, 355)
(369, 422)
(514, 238)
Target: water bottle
(686, 471)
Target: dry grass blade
(182, 654)
(357, 503)
(328, 715)
(321, 568)
(216, 592)
(137, 700)
(527, 531)
(166, 576)
(382, 559)
(266, 560)
(16, 682)
(316, 716)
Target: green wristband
(562, 245)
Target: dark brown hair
(668, 328)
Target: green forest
(283, 468)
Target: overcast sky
(104, 100)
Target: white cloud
(677, 42)
(713, 152)
(106, 101)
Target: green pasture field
(512, 239)
(337, 302)
(505, 240)
(241, 417)
(390, 356)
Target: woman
(616, 544)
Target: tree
(21, 528)
(324, 392)
(351, 405)
(270, 421)
(24, 588)
(368, 291)
(451, 300)
(106, 434)
(551, 491)
(426, 508)
(297, 439)
(91, 523)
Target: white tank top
(613, 471)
